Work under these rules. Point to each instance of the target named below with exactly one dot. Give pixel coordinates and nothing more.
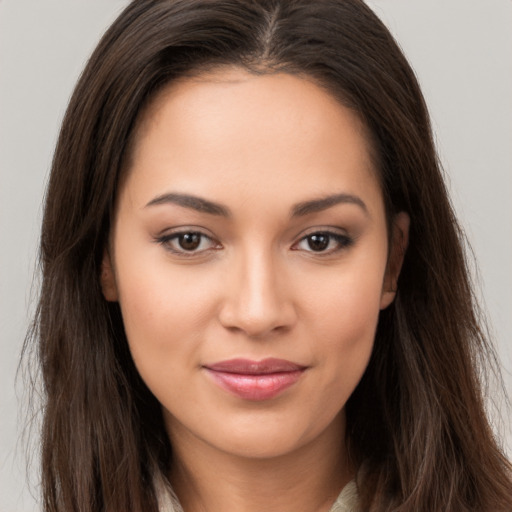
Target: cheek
(165, 310)
(344, 314)
(347, 301)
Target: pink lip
(255, 380)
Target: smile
(255, 380)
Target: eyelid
(166, 236)
(344, 239)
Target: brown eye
(324, 242)
(318, 241)
(189, 241)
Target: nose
(257, 298)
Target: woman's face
(249, 256)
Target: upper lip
(249, 367)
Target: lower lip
(255, 387)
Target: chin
(263, 445)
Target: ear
(108, 279)
(399, 242)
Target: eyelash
(342, 242)
(167, 240)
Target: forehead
(230, 127)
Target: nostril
(240, 317)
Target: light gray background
(460, 49)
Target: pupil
(190, 241)
(318, 242)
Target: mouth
(255, 380)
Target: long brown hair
(416, 424)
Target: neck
(307, 479)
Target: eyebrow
(299, 210)
(323, 203)
(193, 202)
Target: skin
(255, 287)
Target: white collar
(347, 501)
